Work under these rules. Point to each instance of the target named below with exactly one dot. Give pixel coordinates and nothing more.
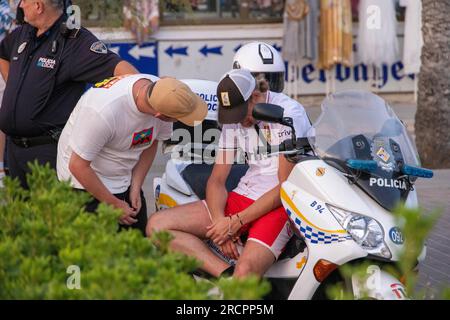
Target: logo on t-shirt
(109, 82)
(142, 138)
(267, 134)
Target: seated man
(108, 145)
(254, 207)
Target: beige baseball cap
(175, 99)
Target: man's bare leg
(187, 223)
(255, 259)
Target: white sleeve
(165, 131)
(300, 121)
(299, 118)
(228, 139)
(90, 134)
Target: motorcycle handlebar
(300, 146)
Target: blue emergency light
(365, 165)
(417, 172)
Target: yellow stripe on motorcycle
(166, 200)
(291, 204)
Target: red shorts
(272, 230)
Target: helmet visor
(275, 80)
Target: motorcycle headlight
(365, 231)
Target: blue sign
(215, 50)
(359, 72)
(144, 58)
(180, 51)
(396, 236)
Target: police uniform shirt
(33, 62)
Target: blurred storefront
(198, 39)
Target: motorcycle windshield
(358, 125)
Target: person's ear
(164, 118)
(39, 6)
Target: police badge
(22, 47)
(99, 47)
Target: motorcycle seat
(197, 175)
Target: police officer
(47, 64)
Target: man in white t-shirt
(110, 140)
(254, 207)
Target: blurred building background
(198, 39)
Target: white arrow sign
(136, 52)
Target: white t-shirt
(107, 129)
(262, 175)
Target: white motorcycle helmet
(262, 60)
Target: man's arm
(82, 171)
(270, 200)
(4, 68)
(140, 171)
(219, 231)
(93, 132)
(123, 68)
(142, 167)
(216, 192)
(91, 65)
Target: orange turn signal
(323, 268)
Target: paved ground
(435, 193)
(435, 271)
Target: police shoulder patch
(22, 47)
(99, 47)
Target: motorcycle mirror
(272, 113)
(268, 112)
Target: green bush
(46, 237)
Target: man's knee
(255, 260)
(244, 269)
(156, 222)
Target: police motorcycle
(339, 201)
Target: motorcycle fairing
(311, 217)
(384, 184)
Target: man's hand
(128, 214)
(229, 249)
(135, 198)
(222, 230)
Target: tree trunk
(432, 124)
